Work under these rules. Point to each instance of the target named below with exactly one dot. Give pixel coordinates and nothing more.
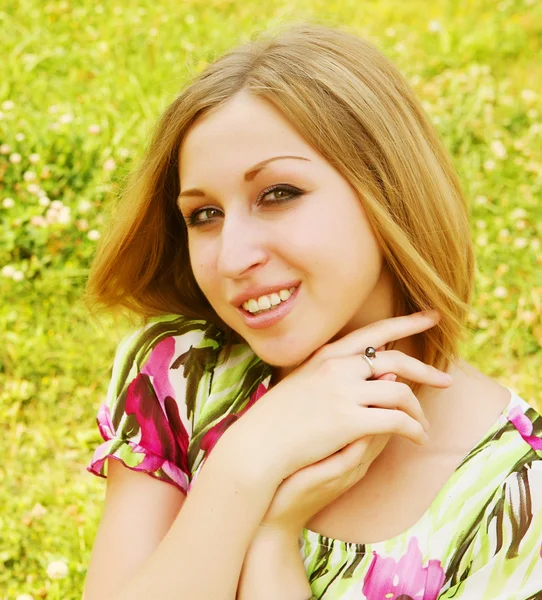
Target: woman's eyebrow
(249, 175)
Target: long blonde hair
(351, 103)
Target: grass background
(83, 83)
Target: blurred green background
(82, 84)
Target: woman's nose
(242, 246)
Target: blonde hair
(352, 104)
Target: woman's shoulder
(172, 383)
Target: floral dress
(173, 393)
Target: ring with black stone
(369, 353)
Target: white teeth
(264, 302)
(267, 302)
(275, 299)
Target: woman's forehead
(238, 135)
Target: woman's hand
(308, 491)
(328, 403)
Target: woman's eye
(290, 193)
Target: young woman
(293, 419)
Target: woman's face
(317, 239)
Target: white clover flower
(65, 119)
(38, 511)
(535, 244)
(93, 235)
(498, 149)
(24, 597)
(481, 224)
(44, 201)
(19, 137)
(84, 206)
(34, 189)
(482, 240)
(532, 114)
(528, 96)
(504, 233)
(17, 276)
(109, 165)
(94, 129)
(483, 324)
(34, 158)
(57, 569)
(29, 176)
(521, 243)
(82, 224)
(500, 292)
(15, 158)
(528, 317)
(8, 105)
(5, 149)
(8, 271)
(520, 224)
(123, 152)
(57, 204)
(38, 221)
(8, 203)
(480, 200)
(434, 26)
(490, 165)
(64, 216)
(518, 213)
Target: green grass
(82, 84)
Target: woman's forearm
(202, 554)
(273, 568)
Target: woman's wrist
(273, 568)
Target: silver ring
(370, 363)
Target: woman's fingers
(390, 395)
(372, 421)
(398, 363)
(380, 333)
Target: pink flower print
(105, 423)
(157, 366)
(525, 427)
(211, 437)
(406, 579)
(162, 431)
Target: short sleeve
(506, 558)
(144, 420)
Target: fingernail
(431, 314)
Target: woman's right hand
(329, 402)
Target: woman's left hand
(307, 491)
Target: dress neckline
(314, 537)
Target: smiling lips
(266, 302)
(255, 293)
(263, 318)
